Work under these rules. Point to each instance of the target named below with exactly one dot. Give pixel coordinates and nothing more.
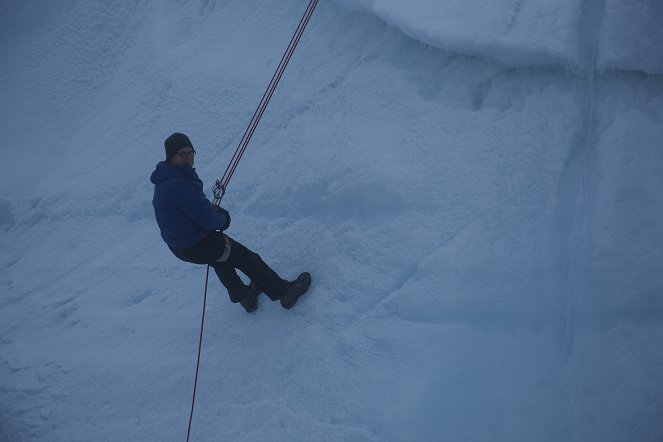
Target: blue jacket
(182, 210)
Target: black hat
(176, 142)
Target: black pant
(209, 249)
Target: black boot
(250, 301)
(296, 289)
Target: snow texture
(535, 32)
(475, 186)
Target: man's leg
(225, 255)
(252, 265)
(214, 249)
(230, 280)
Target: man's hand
(224, 212)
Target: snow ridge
(532, 32)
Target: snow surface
(482, 216)
(588, 34)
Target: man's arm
(199, 209)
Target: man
(193, 230)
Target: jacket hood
(165, 171)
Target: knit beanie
(174, 143)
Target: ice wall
(485, 240)
(632, 36)
(534, 32)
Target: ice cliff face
(477, 197)
(621, 34)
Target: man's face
(183, 157)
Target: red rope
(237, 156)
(200, 345)
(267, 96)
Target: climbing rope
(222, 184)
(200, 344)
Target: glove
(225, 213)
